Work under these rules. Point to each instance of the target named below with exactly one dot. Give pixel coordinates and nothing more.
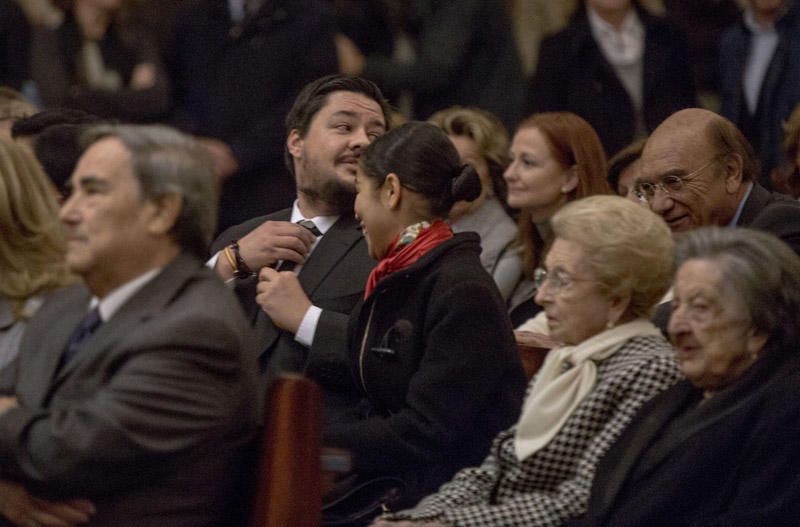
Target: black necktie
(287, 265)
(84, 330)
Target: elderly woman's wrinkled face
(710, 327)
(570, 296)
(470, 154)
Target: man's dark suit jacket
(731, 461)
(573, 75)
(152, 417)
(333, 277)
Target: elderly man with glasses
(698, 169)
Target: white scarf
(557, 392)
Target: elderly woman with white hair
(610, 262)
(721, 447)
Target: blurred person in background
(32, 261)
(91, 62)
(623, 169)
(786, 177)
(482, 141)
(760, 66)
(616, 65)
(445, 54)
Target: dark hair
(622, 160)
(58, 149)
(39, 122)
(425, 161)
(727, 139)
(166, 161)
(314, 96)
(770, 293)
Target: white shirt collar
(757, 29)
(323, 223)
(113, 301)
(623, 46)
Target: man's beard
(336, 194)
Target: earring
(610, 324)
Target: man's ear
(391, 191)
(570, 180)
(733, 166)
(166, 210)
(294, 143)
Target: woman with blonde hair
(609, 264)
(31, 243)
(556, 157)
(482, 141)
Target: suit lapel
(331, 249)
(333, 246)
(44, 352)
(146, 303)
(758, 199)
(630, 447)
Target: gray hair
(165, 161)
(762, 269)
(627, 247)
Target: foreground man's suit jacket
(152, 417)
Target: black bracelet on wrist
(241, 271)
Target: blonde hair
(628, 248)
(488, 133)
(31, 242)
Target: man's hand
(351, 60)
(282, 298)
(7, 403)
(269, 243)
(225, 164)
(25, 510)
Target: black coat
(574, 76)
(236, 83)
(433, 351)
(732, 461)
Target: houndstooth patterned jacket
(553, 484)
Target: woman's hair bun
(466, 184)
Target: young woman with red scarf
(432, 348)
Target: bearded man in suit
(136, 389)
(319, 269)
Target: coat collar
(758, 199)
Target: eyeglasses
(556, 280)
(671, 184)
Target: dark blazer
(237, 82)
(333, 277)
(732, 461)
(574, 76)
(151, 418)
(433, 352)
(774, 213)
(780, 90)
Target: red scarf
(402, 256)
